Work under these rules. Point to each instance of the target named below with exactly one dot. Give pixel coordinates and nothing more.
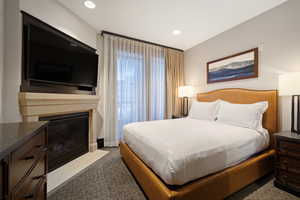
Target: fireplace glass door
(67, 138)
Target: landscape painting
(235, 67)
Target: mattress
(182, 150)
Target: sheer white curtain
(133, 85)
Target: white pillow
(243, 115)
(204, 110)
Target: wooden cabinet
(28, 168)
(24, 167)
(29, 156)
(287, 171)
(2, 181)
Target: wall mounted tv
(52, 58)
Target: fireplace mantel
(35, 105)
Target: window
(140, 86)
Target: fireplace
(68, 138)
(35, 106)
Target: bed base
(212, 187)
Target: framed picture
(235, 67)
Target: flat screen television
(53, 59)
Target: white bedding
(182, 150)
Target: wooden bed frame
(221, 184)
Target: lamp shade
(289, 84)
(185, 91)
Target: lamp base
(185, 106)
(295, 125)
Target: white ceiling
(154, 20)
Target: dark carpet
(109, 179)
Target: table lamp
(185, 92)
(289, 85)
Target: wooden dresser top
(12, 135)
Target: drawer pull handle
(45, 149)
(29, 158)
(38, 177)
(29, 196)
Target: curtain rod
(144, 41)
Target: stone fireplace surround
(35, 105)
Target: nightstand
(177, 116)
(287, 166)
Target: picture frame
(243, 65)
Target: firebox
(68, 137)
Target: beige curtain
(132, 85)
(174, 79)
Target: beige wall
(1, 52)
(48, 11)
(12, 61)
(275, 32)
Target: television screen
(54, 59)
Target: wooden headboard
(245, 96)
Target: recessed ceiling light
(176, 32)
(90, 4)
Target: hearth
(68, 138)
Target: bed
(167, 180)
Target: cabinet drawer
(38, 193)
(25, 157)
(280, 176)
(30, 187)
(289, 164)
(289, 146)
(42, 192)
(288, 179)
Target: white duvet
(182, 150)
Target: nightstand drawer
(281, 176)
(289, 164)
(291, 154)
(288, 179)
(285, 146)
